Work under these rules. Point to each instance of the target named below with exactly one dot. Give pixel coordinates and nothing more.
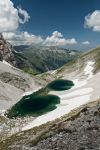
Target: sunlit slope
(37, 60)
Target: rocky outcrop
(78, 133)
(6, 51)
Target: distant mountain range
(37, 60)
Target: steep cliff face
(6, 52)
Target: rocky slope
(13, 83)
(79, 130)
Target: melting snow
(89, 69)
(2, 112)
(30, 92)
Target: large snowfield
(84, 91)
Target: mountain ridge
(43, 59)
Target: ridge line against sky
(70, 24)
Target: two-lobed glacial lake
(40, 102)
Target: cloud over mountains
(10, 20)
(93, 21)
(57, 39)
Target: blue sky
(64, 16)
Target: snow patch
(30, 92)
(78, 92)
(6, 63)
(53, 71)
(89, 69)
(2, 112)
(78, 84)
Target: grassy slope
(78, 63)
(37, 61)
(95, 56)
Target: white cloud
(86, 43)
(22, 38)
(10, 17)
(24, 14)
(93, 21)
(57, 39)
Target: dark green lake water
(60, 85)
(39, 102)
(34, 105)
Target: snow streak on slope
(6, 63)
(88, 70)
(30, 92)
(71, 99)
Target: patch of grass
(29, 70)
(68, 65)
